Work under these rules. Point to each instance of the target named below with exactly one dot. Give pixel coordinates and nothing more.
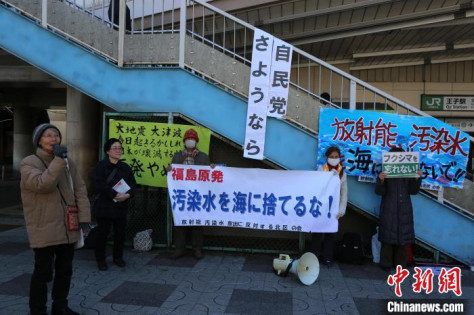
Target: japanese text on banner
(149, 147)
(303, 201)
(279, 78)
(258, 100)
(363, 135)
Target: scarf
(339, 168)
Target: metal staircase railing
(158, 38)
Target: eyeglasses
(50, 135)
(116, 149)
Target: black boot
(120, 262)
(102, 265)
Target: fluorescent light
(388, 65)
(399, 51)
(457, 59)
(347, 31)
(340, 62)
(462, 46)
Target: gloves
(60, 151)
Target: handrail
(99, 9)
(81, 5)
(317, 61)
(311, 76)
(172, 6)
(449, 204)
(388, 101)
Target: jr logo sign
(429, 102)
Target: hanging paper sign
(280, 78)
(256, 121)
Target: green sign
(447, 102)
(432, 102)
(400, 164)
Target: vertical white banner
(258, 100)
(279, 78)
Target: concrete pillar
(23, 125)
(83, 133)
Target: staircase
(201, 69)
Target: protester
(55, 204)
(326, 240)
(110, 207)
(114, 14)
(189, 156)
(396, 217)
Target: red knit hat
(191, 134)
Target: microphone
(62, 153)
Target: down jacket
(43, 176)
(396, 210)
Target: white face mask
(333, 162)
(190, 143)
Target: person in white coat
(322, 244)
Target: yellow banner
(149, 147)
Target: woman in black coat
(396, 217)
(110, 208)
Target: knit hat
(191, 134)
(38, 132)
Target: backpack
(351, 249)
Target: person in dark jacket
(189, 156)
(396, 217)
(110, 208)
(114, 7)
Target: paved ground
(10, 193)
(221, 283)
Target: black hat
(38, 132)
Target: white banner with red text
(300, 201)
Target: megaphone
(307, 267)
